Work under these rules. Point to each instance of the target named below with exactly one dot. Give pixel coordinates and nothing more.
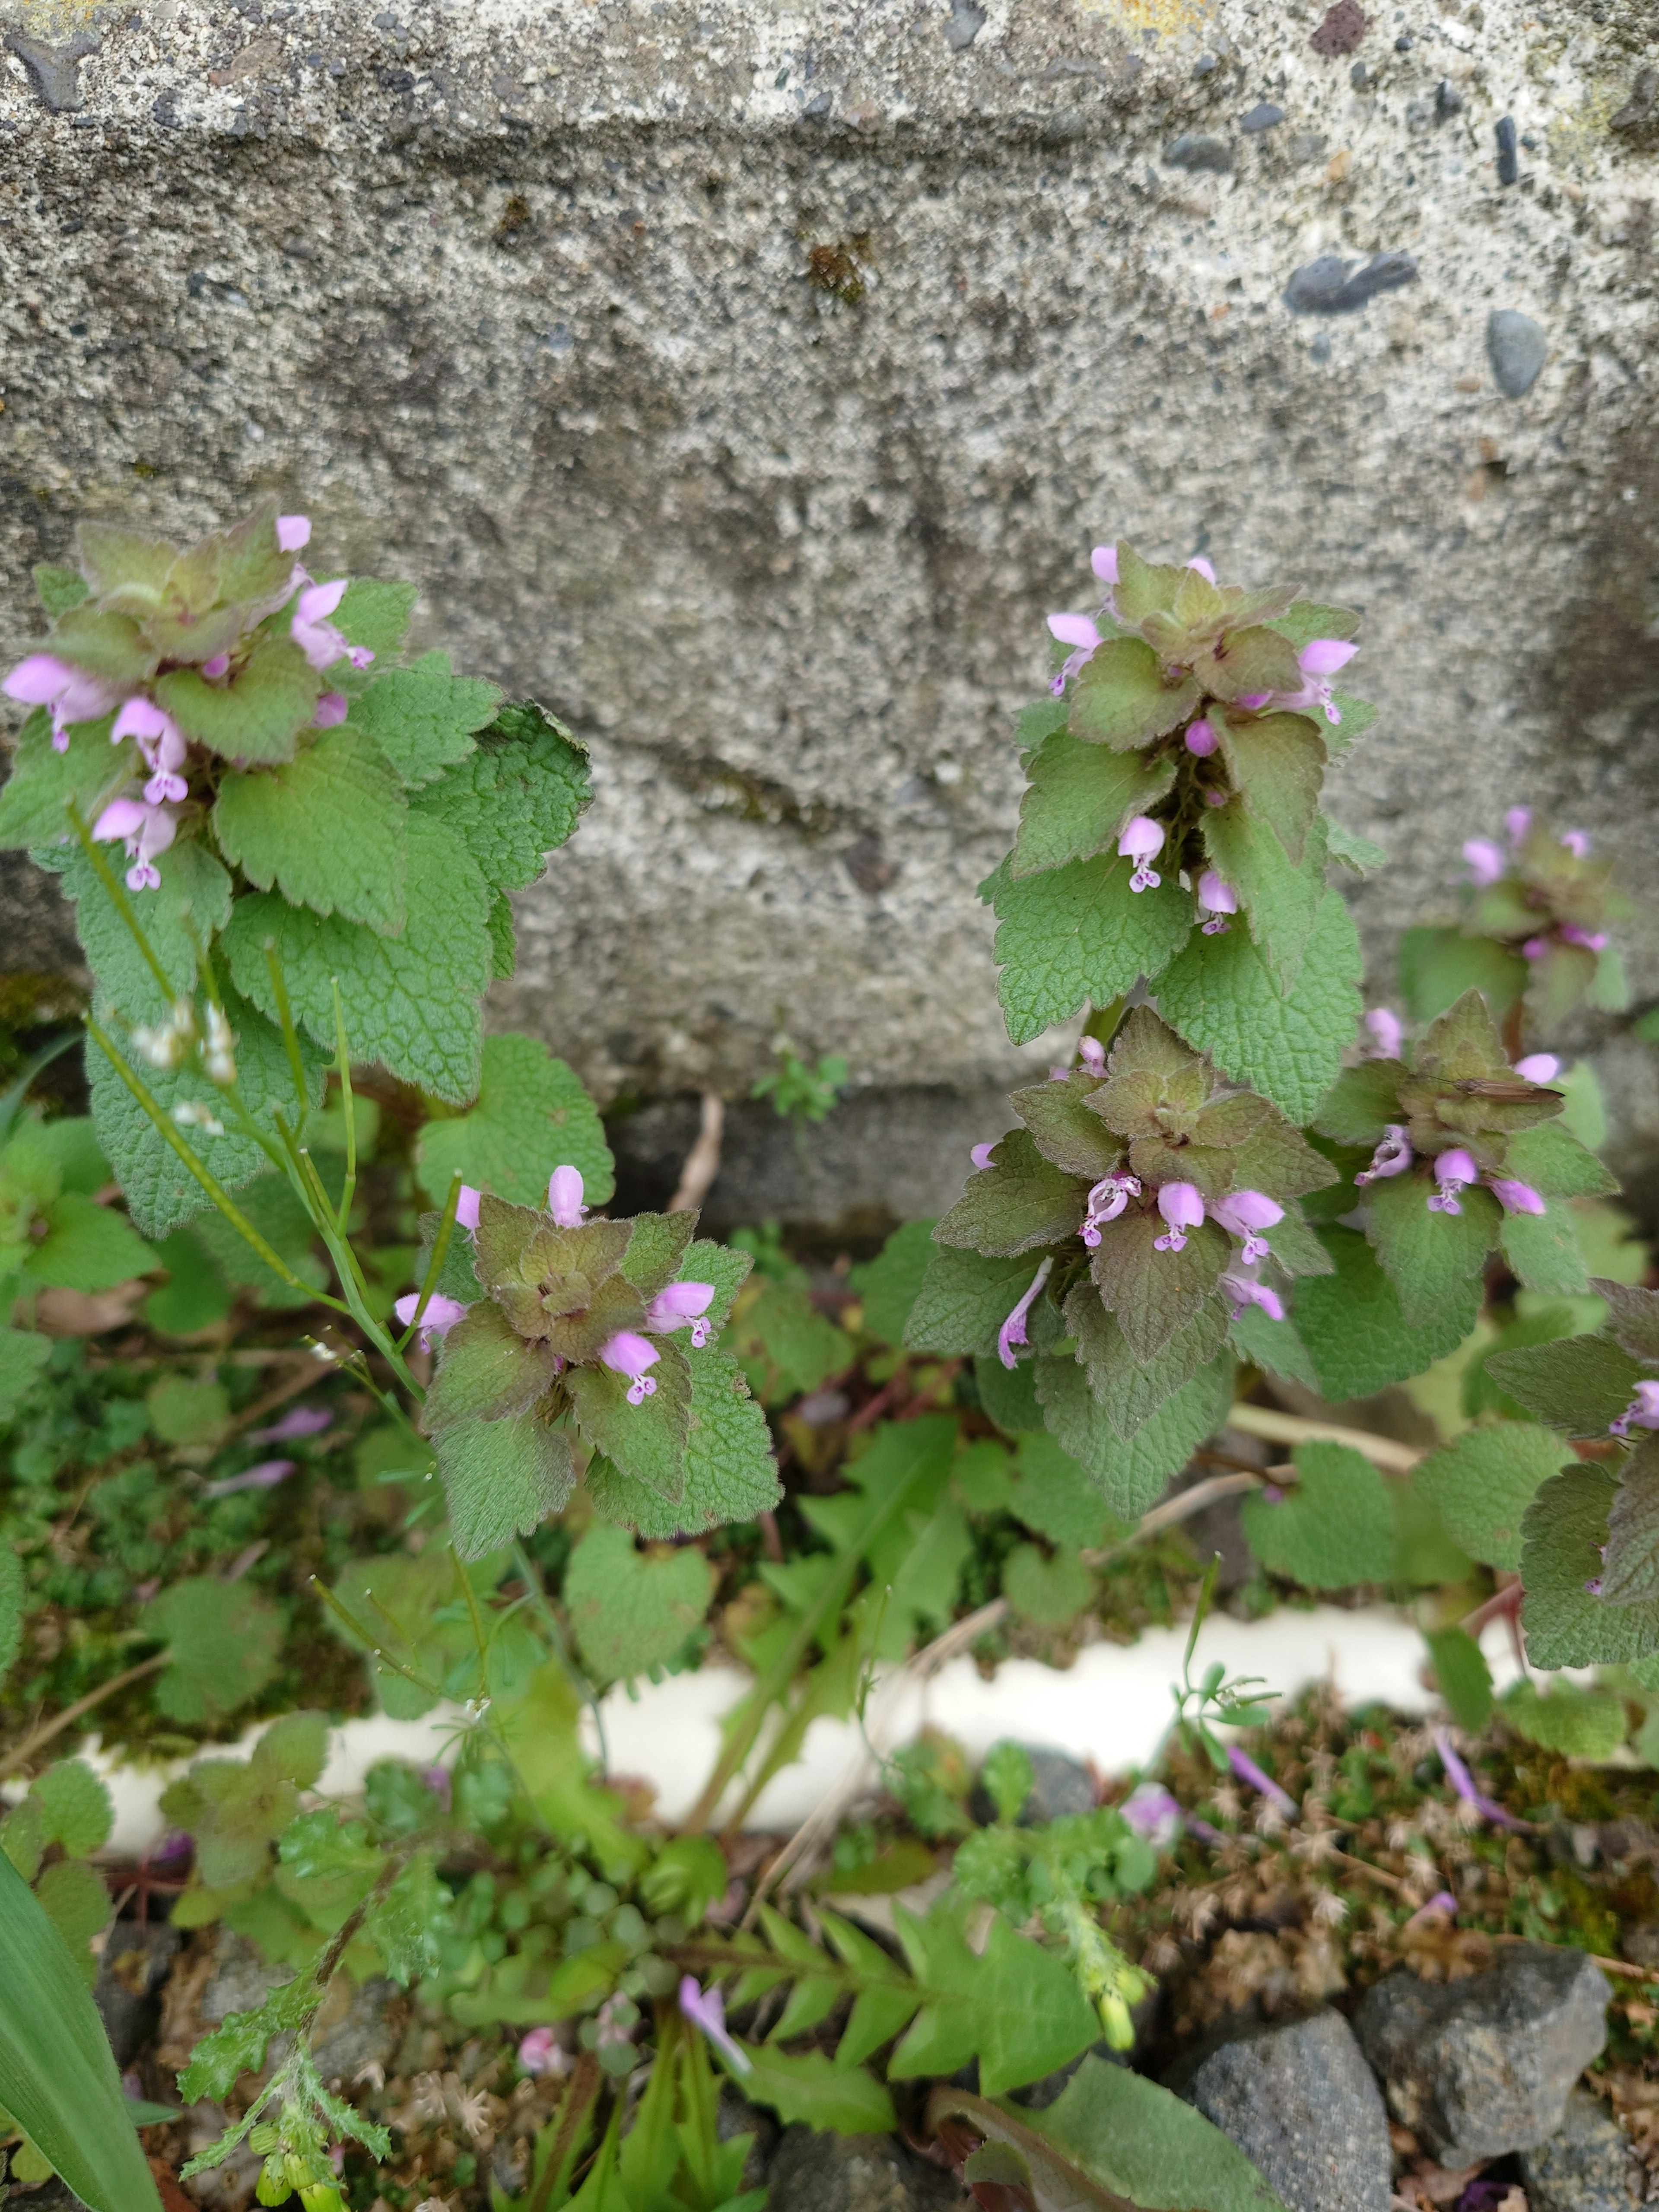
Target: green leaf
(1129, 1386)
(631, 1611)
(1078, 799)
(257, 713)
(1482, 1482)
(486, 1371)
(1437, 966)
(1055, 1497)
(184, 1410)
(1155, 1295)
(1281, 899)
(195, 1294)
(1362, 1102)
(1131, 1476)
(1080, 932)
(1018, 1204)
(1276, 1346)
(1221, 994)
(412, 1002)
(1552, 1159)
(77, 1902)
(1463, 1676)
(1306, 619)
(42, 782)
(786, 1345)
(1011, 2004)
(189, 907)
(423, 718)
(59, 589)
(503, 939)
(1250, 660)
(327, 829)
(1354, 851)
(234, 1809)
(1434, 1261)
(1334, 1528)
(270, 1205)
(502, 1478)
(1355, 1333)
(1279, 765)
(75, 1810)
(531, 1116)
(1008, 1396)
(375, 614)
(1630, 1565)
(1542, 1249)
(964, 1300)
(1562, 1535)
(889, 1285)
(1139, 2140)
(515, 797)
(1573, 1722)
(730, 1473)
(106, 645)
(1064, 1130)
(57, 2078)
(1122, 699)
(222, 1642)
(647, 1441)
(12, 1589)
(808, 2088)
(1580, 1384)
(1633, 1323)
(1044, 1589)
(87, 1247)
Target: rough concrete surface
(746, 382)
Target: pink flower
(629, 1354)
(440, 1316)
(1103, 562)
(679, 1304)
(1486, 860)
(292, 532)
(1592, 940)
(1535, 947)
(1181, 1205)
(466, 1208)
(540, 2052)
(1244, 1213)
(1201, 739)
(1106, 1201)
(564, 1197)
(43, 680)
(709, 2013)
(1539, 1067)
(1453, 1171)
(216, 666)
(1012, 1331)
(265, 1476)
(1463, 1782)
(1577, 843)
(981, 1155)
(316, 636)
(1641, 1412)
(1092, 1054)
(1319, 660)
(1516, 823)
(1246, 1770)
(1152, 1813)
(160, 742)
(1392, 1157)
(333, 707)
(1203, 568)
(1241, 1291)
(1516, 1197)
(1076, 630)
(1386, 1034)
(147, 828)
(1141, 838)
(1218, 900)
(298, 1421)
(437, 1780)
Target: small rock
(1059, 1785)
(1301, 2103)
(1332, 286)
(1359, 76)
(1515, 347)
(358, 2036)
(1509, 166)
(1447, 101)
(966, 23)
(1344, 27)
(241, 1980)
(54, 71)
(131, 1973)
(1480, 2068)
(813, 2172)
(1641, 108)
(1586, 2166)
(1193, 150)
(1261, 117)
(864, 860)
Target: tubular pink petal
(981, 1155)
(1181, 1204)
(629, 1353)
(1577, 843)
(292, 532)
(1516, 1197)
(40, 681)
(564, 1197)
(317, 601)
(1074, 630)
(681, 1303)
(1103, 562)
(141, 718)
(467, 1208)
(1516, 823)
(1242, 1211)
(440, 1316)
(1392, 1157)
(1012, 1331)
(1539, 1067)
(85, 699)
(1323, 656)
(1203, 566)
(156, 833)
(333, 707)
(1092, 1054)
(122, 817)
(1216, 894)
(1485, 861)
(1386, 1032)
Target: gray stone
(1193, 150)
(1482, 2067)
(1262, 117)
(358, 2030)
(966, 23)
(131, 1969)
(1059, 1785)
(813, 2172)
(54, 71)
(1509, 166)
(241, 1979)
(1515, 346)
(1300, 2101)
(1586, 2166)
(1332, 286)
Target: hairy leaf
(486, 1371)
(1433, 1260)
(327, 828)
(423, 718)
(1144, 2142)
(1633, 1323)
(1156, 1294)
(515, 797)
(1580, 1384)
(1009, 2003)
(189, 907)
(42, 782)
(889, 1285)
(531, 1116)
(1280, 897)
(1575, 1723)
(648, 1441)
(730, 1473)
(87, 1247)
(257, 714)
(1357, 1335)
(1566, 1624)
(1121, 698)
(502, 1478)
(964, 1300)
(629, 1611)
(1064, 1130)
(1481, 1482)
(1277, 762)
(1018, 1204)
(222, 1642)
(1078, 799)
(1131, 1476)
(1333, 1529)
(1629, 1565)
(1080, 932)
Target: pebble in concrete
(1261, 117)
(1480, 2068)
(1586, 2166)
(1332, 286)
(1193, 150)
(1301, 2103)
(1515, 347)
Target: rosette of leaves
(522, 1376)
(305, 808)
(1537, 913)
(1129, 1341)
(1458, 1103)
(1193, 713)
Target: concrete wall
(747, 381)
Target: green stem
(435, 1265)
(382, 1657)
(296, 1066)
(348, 1106)
(122, 903)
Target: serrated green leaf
(531, 1116)
(87, 1247)
(76, 1899)
(1278, 764)
(1482, 1482)
(104, 644)
(42, 782)
(1279, 1161)
(1275, 1346)
(1279, 899)
(326, 829)
(1140, 2142)
(486, 1371)
(1121, 698)
(964, 1300)
(503, 939)
(222, 1642)
(1336, 1528)
(1219, 992)
(423, 718)
(1131, 1476)
(1433, 1260)
(234, 1809)
(412, 1002)
(1155, 1294)
(630, 1612)
(59, 589)
(1008, 1395)
(75, 1810)
(889, 1285)
(1566, 1624)
(1128, 1387)
(1630, 1565)
(725, 1267)
(1464, 1677)
(808, 2088)
(1306, 619)
(190, 904)
(257, 714)
(1354, 1330)
(1354, 851)
(502, 1478)
(1079, 798)
(1047, 1589)
(1633, 1321)
(375, 614)
(1437, 966)
(515, 797)
(1552, 1160)
(1064, 1130)
(1009, 2003)
(1362, 1103)
(1573, 1722)
(1018, 1203)
(647, 1441)
(730, 1473)
(1247, 661)
(196, 1294)
(1055, 1496)
(1580, 1385)
(1542, 1250)
(1080, 933)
